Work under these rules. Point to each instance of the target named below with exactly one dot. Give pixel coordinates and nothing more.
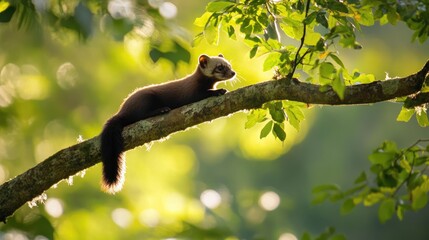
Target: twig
(296, 61)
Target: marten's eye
(220, 68)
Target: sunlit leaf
(405, 114)
(365, 17)
(254, 117)
(211, 33)
(218, 6)
(373, 198)
(326, 70)
(3, 5)
(295, 116)
(272, 60)
(339, 85)
(201, 21)
(422, 119)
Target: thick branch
(67, 162)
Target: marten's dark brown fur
(154, 100)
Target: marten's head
(217, 68)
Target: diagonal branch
(67, 162)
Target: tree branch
(67, 162)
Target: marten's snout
(231, 74)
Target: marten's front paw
(220, 92)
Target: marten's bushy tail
(112, 147)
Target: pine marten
(154, 100)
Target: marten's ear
(220, 55)
(203, 60)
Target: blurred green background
(214, 180)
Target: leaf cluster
(274, 115)
(400, 182)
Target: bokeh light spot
(122, 217)
(149, 217)
(67, 75)
(168, 10)
(54, 207)
(210, 198)
(288, 236)
(269, 201)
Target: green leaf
(325, 187)
(420, 198)
(295, 116)
(3, 5)
(201, 21)
(319, 198)
(405, 114)
(365, 17)
(231, 32)
(266, 130)
(392, 17)
(321, 19)
(310, 18)
(211, 33)
(386, 210)
(339, 85)
(373, 198)
(382, 158)
(362, 178)
(279, 132)
(422, 119)
(254, 117)
(277, 112)
(326, 70)
(218, 6)
(347, 206)
(272, 60)
(336, 59)
(253, 51)
(337, 6)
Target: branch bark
(67, 162)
